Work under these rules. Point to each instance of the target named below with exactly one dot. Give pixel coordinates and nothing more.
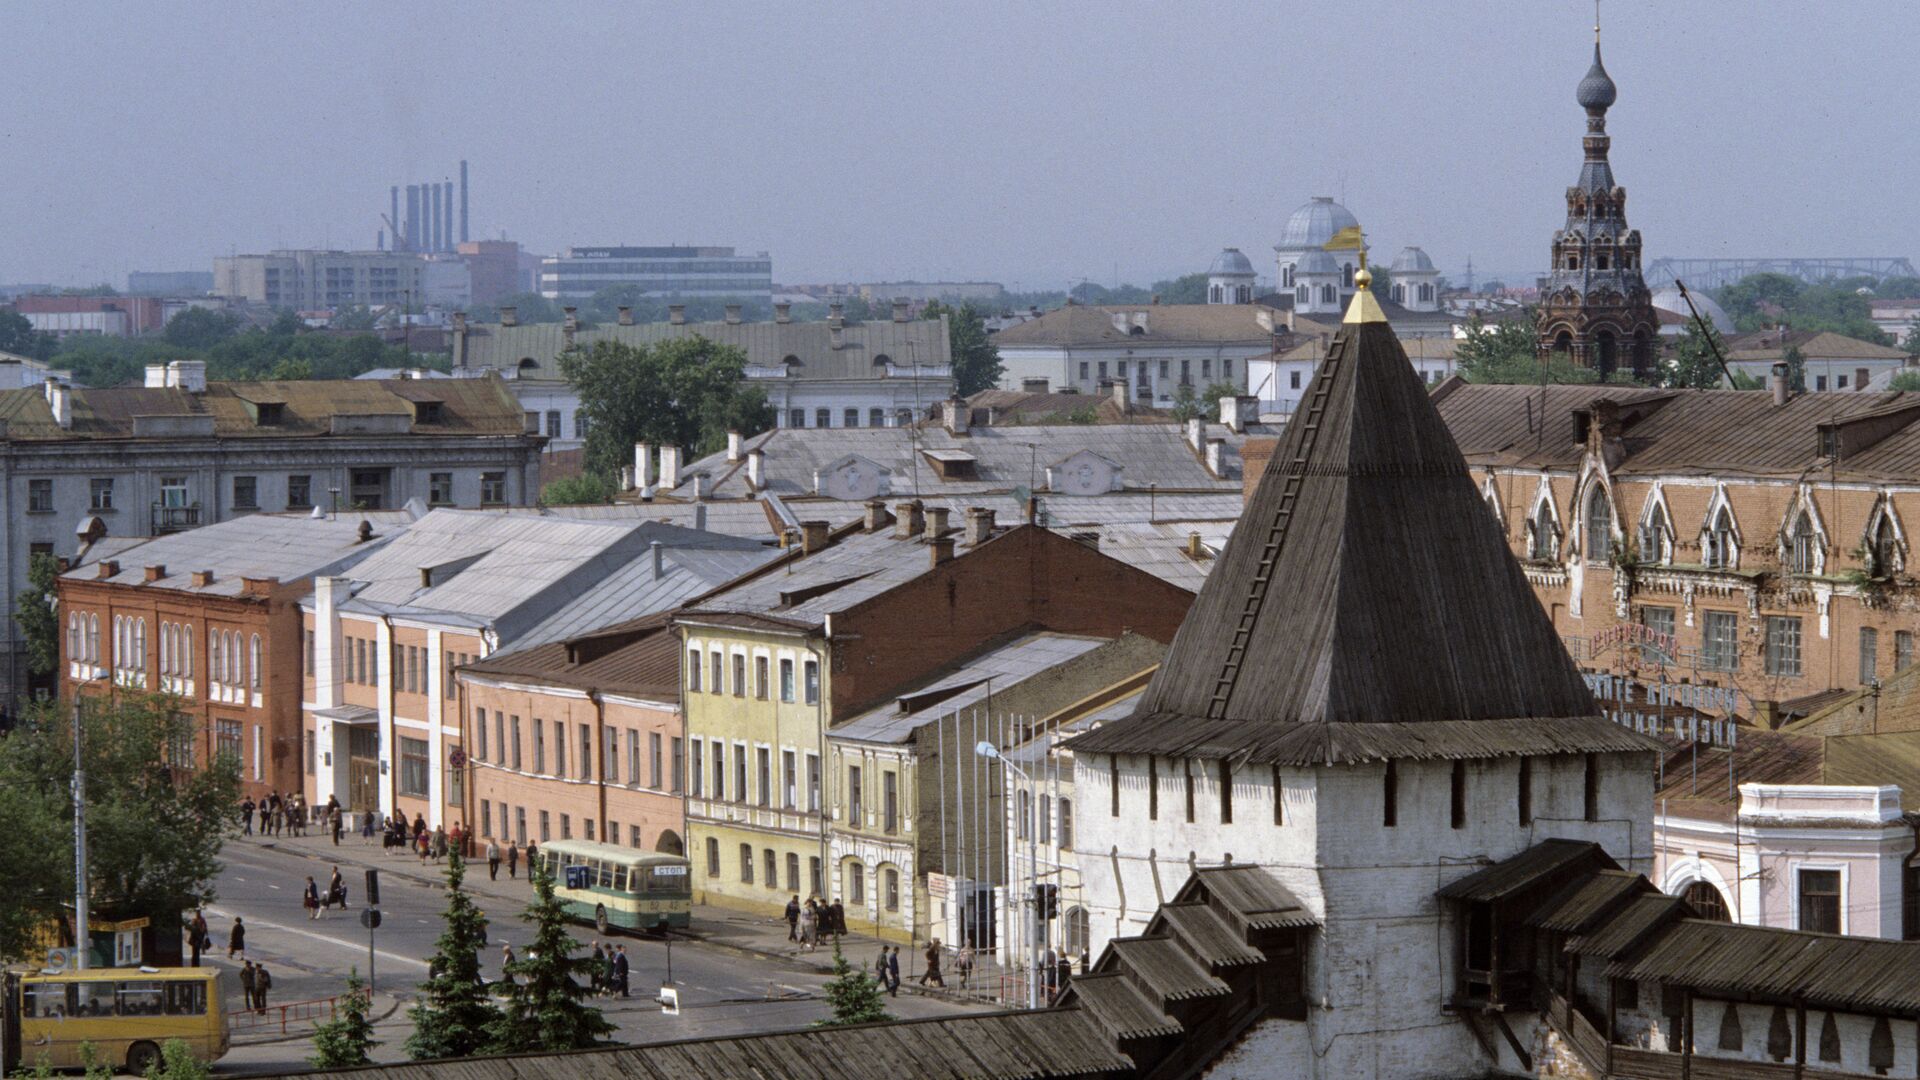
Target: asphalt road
(720, 992)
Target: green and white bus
(616, 887)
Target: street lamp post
(989, 751)
(81, 934)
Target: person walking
(310, 899)
(493, 861)
(609, 978)
(262, 982)
(339, 824)
(963, 964)
(337, 890)
(246, 817)
(237, 938)
(439, 842)
(893, 972)
(793, 918)
(246, 982)
(880, 968)
(809, 926)
(533, 852)
(197, 931)
(513, 860)
(932, 974)
(621, 971)
(836, 918)
(506, 964)
(596, 972)
(366, 829)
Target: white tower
(1230, 279)
(1309, 229)
(1317, 277)
(1416, 284)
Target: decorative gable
(1084, 473)
(853, 478)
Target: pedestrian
(893, 972)
(262, 982)
(880, 968)
(932, 974)
(963, 963)
(246, 817)
(620, 969)
(197, 931)
(1050, 973)
(237, 939)
(246, 982)
(610, 978)
(310, 899)
(337, 824)
(793, 918)
(836, 918)
(595, 972)
(506, 964)
(423, 845)
(337, 890)
(366, 829)
(809, 926)
(513, 860)
(533, 852)
(493, 861)
(457, 839)
(439, 842)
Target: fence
(296, 1013)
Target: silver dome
(1411, 261)
(1669, 299)
(1316, 262)
(1314, 224)
(1229, 263)
(1596, 91)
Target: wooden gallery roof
(1367, 606)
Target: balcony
(173, 519)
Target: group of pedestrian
(886, 969)
(254, 984)
(278, 815)
(609, 971)
(317, 902)
(809, 923)
(512, 852)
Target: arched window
(1802, 545)
(1300, 293)
(140, 644)
(1214, 294)
(1399, 293)
(1286, 276)
(166, 648)
(1599, 525)
(1542, 547)
(669, 843)
(1573, 261)
(186, 652)
(1882, 547)
(119, 641)
(1563, 342)
(1722, 549)
(217, 649)
(1653, 535)
(1346, 276)
(234, 672)
(93, 639)
(1326, 294)
(1426, 293)
(253, 663)
(1245, 294)
(1707, 901)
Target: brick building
(608, 760)
(213, 619)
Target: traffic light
(373, 888)
(1046, 900)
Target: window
(679, 764)
(586, 754)
(516, 737)
(854, 815)
(440, 489)
(718, 684)
(1707, 902)
(698, 776)
(787, 779)
(890, 801)
(1113, 783)
(1459, 795)
(480, 734)
(655, 766)
(253, 655)
(413, 767)
(1722, 549)
(1542, 528)
(763, 760)
(813, 783)
(1653, 535)
(173, 491)
(739, 674)
(1279, 797)
(1066, 824)
(1590, 789)
(1658, 619)
(1599, 525)
(1783, 646)
(719, 769)
(1390, 796)
(713, 857)
(520, 824)
(890, 888)
(693, 670)
(493, 489)
(786, 679)
(1719, 641)
(746, 864)
(1902, 650)
(813, 682)
(823, 418)
(1083, 371)
(796, 418)
(40, 496)
(857, 883)
(566, 826)
(1882, 546)
(740, 793)
(559, 748)
(246, 493)
(588, 823)
(226, 739)
(546, 826)
(1226, 792)
(852, 418)
(876, 418)
(1801, 545)
(1820, 901)
(100, 493)
(579, 424)
(553, 423)
(1044, 819)
(539, 746)
(1023, 815)
(1869, 655)
(1525, 799)
(771, 864)
(299, 492)
(761, 689)
(1293, 380)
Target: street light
(82, 933)
(986, 749)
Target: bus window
(620, 879)
(93, 999)
(47, 1000)
(140, 998)
(606, 875)
(666, 879)
(186, 998)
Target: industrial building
(658, 271)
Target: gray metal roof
(1230, 262)
(1411, 260)
(289, 547)
(1315, 222)
(853, 569)
(634, 590)
(994, 671)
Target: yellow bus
(611, 886)
(126, 1013)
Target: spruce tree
(344, 1041)
(544, 1010)
(455, 1009)
(854, 994)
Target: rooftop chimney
(979, 525)
(657, 549)
(1777, 382)
(202, 578)
(734, 439)
(109, 567)
(702, 486)
(899, 309)
(813, 536)
(877, 517)
(509, 316)
(937, 521)
(626, 314)
(1217, 457)
(757, 469)
(156, 572)
(156, 376)
(669, 468)
(733, 314)
(783, 313)
(643, 469)
(1195, 549)
(836, 315)
(677, 314)
(942, 548)
(60, 403)
(1196, 434)
(188, 375)
(909, 519)
(957, 416)
(1239, 411)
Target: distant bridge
(1714, 273)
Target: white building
(1154, 349)
(657, 271)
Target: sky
(1035, 144)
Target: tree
(1911, 343)
(584, 489)
(455, 1010)
(39, 624)
(352, 317)
(1185, 289)
(853, 994)
(200, 328)
(345, 1041)
(976, 362)
(685, 392)
(1694, 363)
(1906, 380)
(1505, 353)
(17, 336)
(177, 1062)
(1186, 404)
(1796, 369)
(154, 829)
(544, 1011)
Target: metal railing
(253, 1021)
(168, 519)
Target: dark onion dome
(1596, 90)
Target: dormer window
(1653, 535)
(428, 412)
(271, 413)
(1542, 546)
(1882, 547)
(1137, 330)
(1599, 526)
(1803, 545)
(1722, 549)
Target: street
(721, 992)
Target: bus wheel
(141, 1056)
(600, 917)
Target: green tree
(1186, 404)
(853, 994)
(177, 1062)
(17, 336)
(976, 362)
(352, 317)
(1911, 343)
(346, 1041)
(154, 832)
(1694, 363)
(1796, 368)
(455, 1011)
(1185, 289)
(582, 490)
(685, 392)
(291, 370)
(287, 324)
(1505, 353)
(544, 1011)
(1906, 380)
(200, 328)
(39, 624)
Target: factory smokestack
(393, 215)
(413, 217)
(433, 222)
(446, 233)
(463, 202)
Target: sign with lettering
(1669, 710)
(1646, 638)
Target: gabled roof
(767, 345)
(1160, 324)
(1365, 585)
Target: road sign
(669, 1001)
(370, 918)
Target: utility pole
(80, 920)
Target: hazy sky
(1031, 143)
